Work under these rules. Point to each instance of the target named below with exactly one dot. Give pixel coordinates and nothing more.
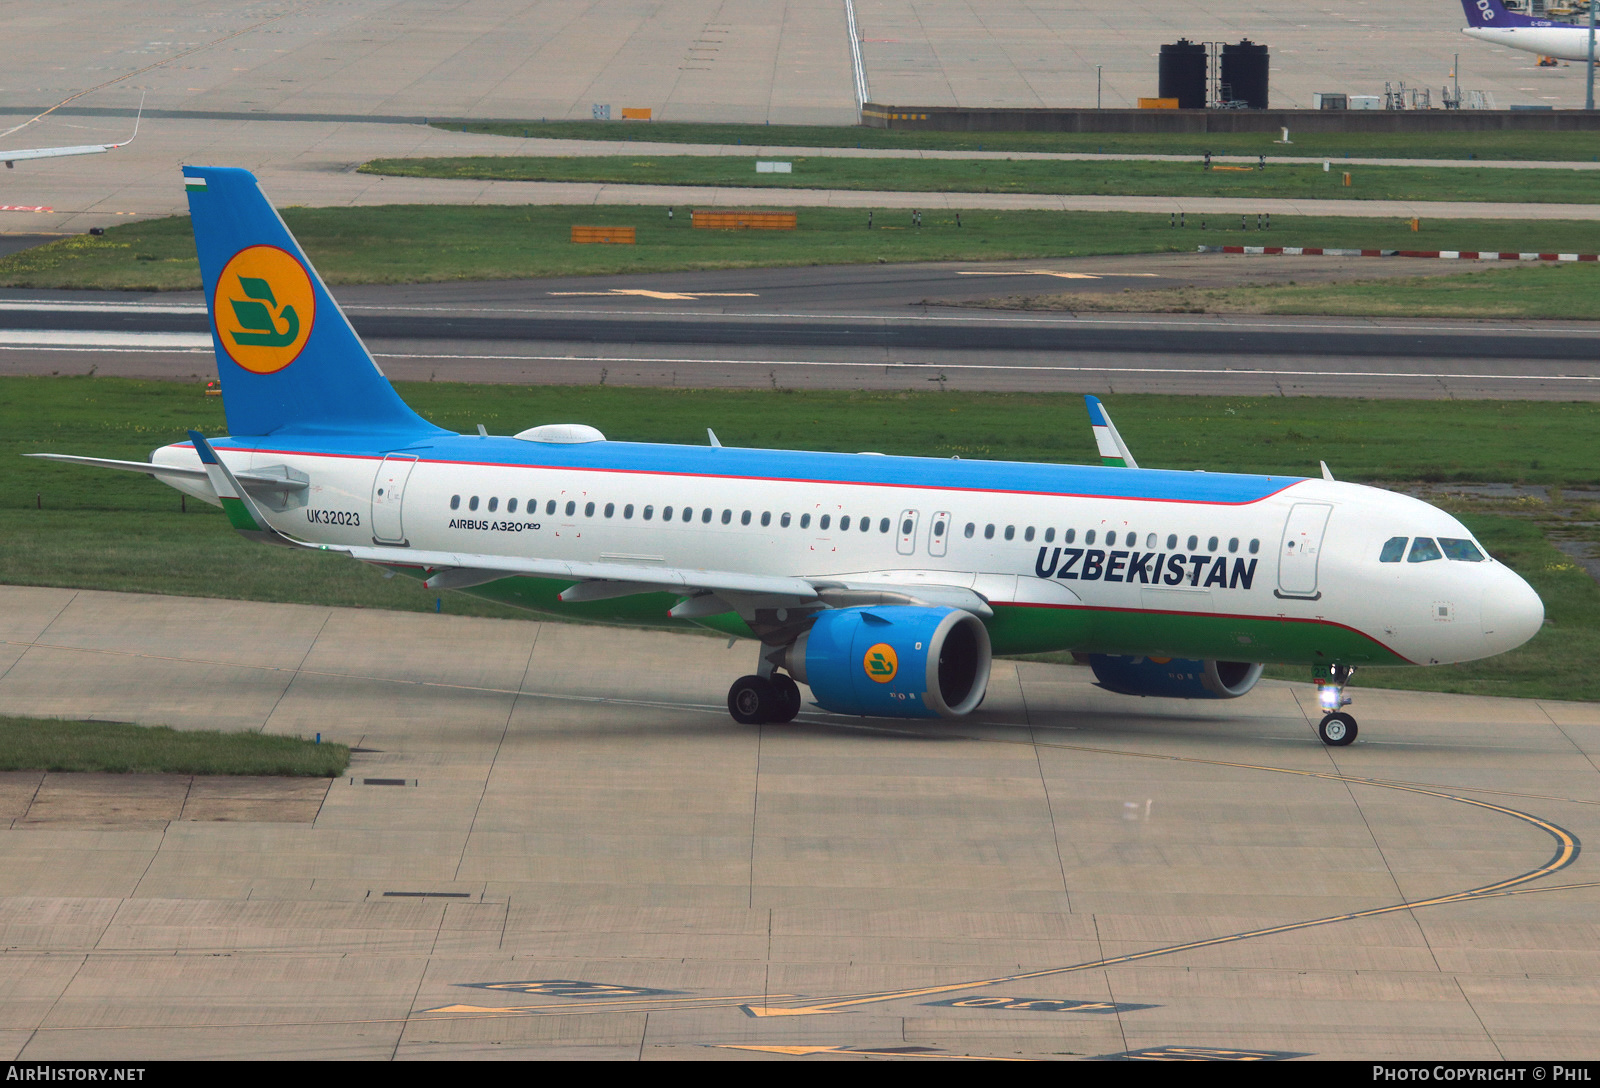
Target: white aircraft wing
(11, 158)
(459, 569)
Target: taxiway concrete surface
(585, 857)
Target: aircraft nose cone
(1512, 611)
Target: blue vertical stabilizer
(288, 359)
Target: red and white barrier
(1441, 254)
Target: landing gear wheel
(789, 700)
(753, 700)
(1337, 729)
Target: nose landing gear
(1337, 728)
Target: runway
(860, 326)
(587, 860)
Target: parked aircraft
(1489, 21)
(883, 583)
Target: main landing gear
(754, 700)
(1337, 728)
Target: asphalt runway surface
(859, 326)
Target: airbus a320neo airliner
(884, 584)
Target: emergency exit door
(1301, 550)
(388, 498)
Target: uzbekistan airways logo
(881, 663)
(264, 309)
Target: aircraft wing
(252, 481)
(11, 158)
(456, 570)
(54, 152)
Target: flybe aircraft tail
(287, 357)
(1493, 14)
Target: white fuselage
(1011, 548)
(1561, 42)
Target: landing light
(1328, 697)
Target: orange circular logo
(881, 663)
(264, 308)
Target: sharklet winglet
(243, 514)
(1114, 451)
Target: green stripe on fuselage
(1019, 629)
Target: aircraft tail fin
(1113, 450)
(1494, 15)
(288, 359)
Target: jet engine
(1174, 677)
(893, 661)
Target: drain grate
(430, 895)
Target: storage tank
(1244, 74)
(1183, 74)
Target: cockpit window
(1423, 549)
(1394, 550)
(1464, 550)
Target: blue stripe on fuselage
(845, 468)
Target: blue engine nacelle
(1174, 677)
(894, 661)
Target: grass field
(108, 531)
(1568, 291)
(1541, 146)
(429, 243)
(1169, 179)
(53, 744)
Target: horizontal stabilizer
(252, 482)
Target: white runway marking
(73, 340)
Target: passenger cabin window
(588, 509)
(572, 508)
(1049, 535)
(705, 516)
(627, 512)
(511, 506)
(969, 530)
(648, 512)
(1233, 545)
(1394, 550)
(826, 520)
(472, 503)
(1088, 538)
(1255, 546)
(866, 525)
(666, 513)
(455, 502)
(727, 517)
(1423, 549)
(883, 526)
(1011, 532)
(1211, 545)
(766, 518)
(1463, 550)
(1172, 541)
(1194, 542)
(1150, 542)
(611, 508)
(550, 507)
(805, 521)
(494, 504)
(744, 518)
(844, 522)
(783, 522)
(988, 532)
(1027, 534)
(1068, 536)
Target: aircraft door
(388, 495)
(939, 532)
(907, 542)
(1301, 549)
